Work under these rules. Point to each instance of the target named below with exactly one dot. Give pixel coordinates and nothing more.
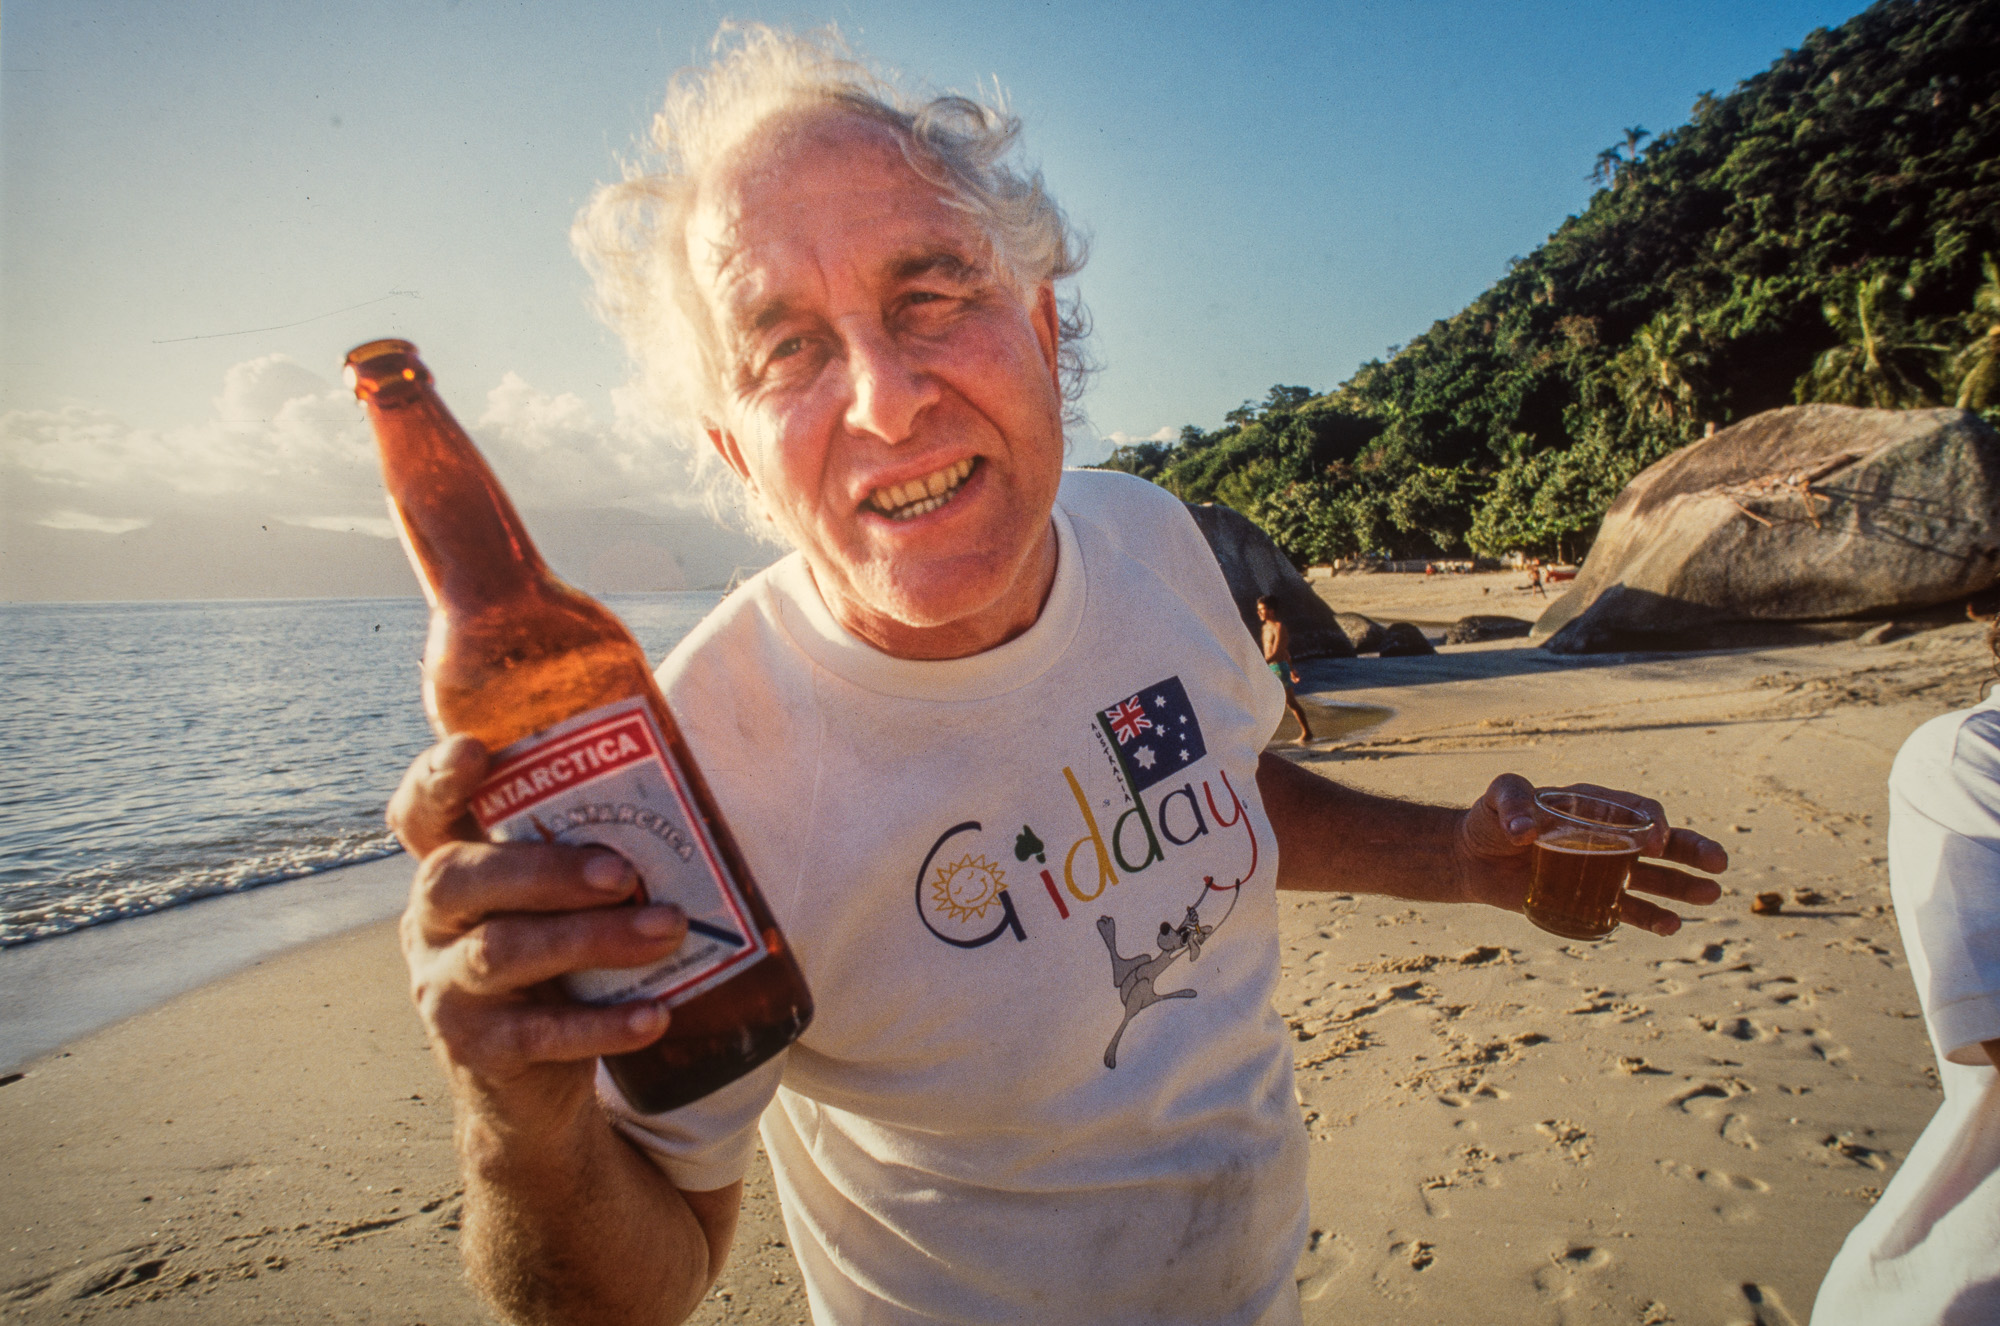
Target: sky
(204, 206)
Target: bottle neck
(465, 540)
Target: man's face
(888, 396)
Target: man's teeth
(906, 501)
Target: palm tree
(1612, 163)
(1879, 365)
(1978, 364)
(1660, 373)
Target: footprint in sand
(1635, 1065)
(1396, 1274)
(1838, 1147)
(1571, 1141)
(1740, 1029)
(1563, 1276)
(1765, 1308)
(1476, 1093)
(1832, 1051)
(1782, 990)
(1714, 1178)
(120, 1270)
(1694, 1099)
(1470, 1172)
(1327, 1257)
(1711, 955)
(1736, 1131)
(1419, 1254)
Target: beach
(1503, 1124)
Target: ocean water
(154, 753)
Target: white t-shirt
(1930, 1250)
(1033, 894)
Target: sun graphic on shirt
(966, 888)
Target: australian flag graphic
(1154, 732)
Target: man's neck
(1018, 609)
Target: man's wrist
(1462, 860)
(495, 1142)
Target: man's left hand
(1496, 854)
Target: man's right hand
(489, 929)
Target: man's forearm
(1334, 838)
(586, 1230)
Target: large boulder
(1404, 640)
(1471, 630)
(1364, 633)
(1254, 567)
(1801, 515)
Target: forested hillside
(1827, 232)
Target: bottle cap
(385, 371)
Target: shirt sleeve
(1944, 861)
(706, 1145)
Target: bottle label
(607, 777)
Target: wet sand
(1504, 1124)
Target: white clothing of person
(1929, 1252)
(1032, 892)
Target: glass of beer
(1582, 860)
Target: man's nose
(889, 389)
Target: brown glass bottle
(515, 653)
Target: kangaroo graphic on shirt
(1134, 977)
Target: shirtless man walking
(1278, 654)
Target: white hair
(631, 236)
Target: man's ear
(1048, 328)
(726, 447)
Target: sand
(1436, 600)
(1504, 1125)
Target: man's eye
(788, 347)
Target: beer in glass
(1582, 860)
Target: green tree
(1977, 366)
(1880, 364)
(1145, 459)
(1692, 291)
(1662, 373)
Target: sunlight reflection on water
(151, 753)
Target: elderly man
(992, 741)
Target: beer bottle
(585, 749)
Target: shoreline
(55, 990)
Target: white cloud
(83, 520)
(278, 429)
(555, 448)
(1157, 435)
(1088, 450)
(375, 527)
(286, 444)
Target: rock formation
(1470, 630)
(1364, 633)
(1402, 640)
(1798, 515)
(1254, 566)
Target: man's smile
(906, 501)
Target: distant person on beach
(1928, 1252)
(1278, 655)
(992, 740)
